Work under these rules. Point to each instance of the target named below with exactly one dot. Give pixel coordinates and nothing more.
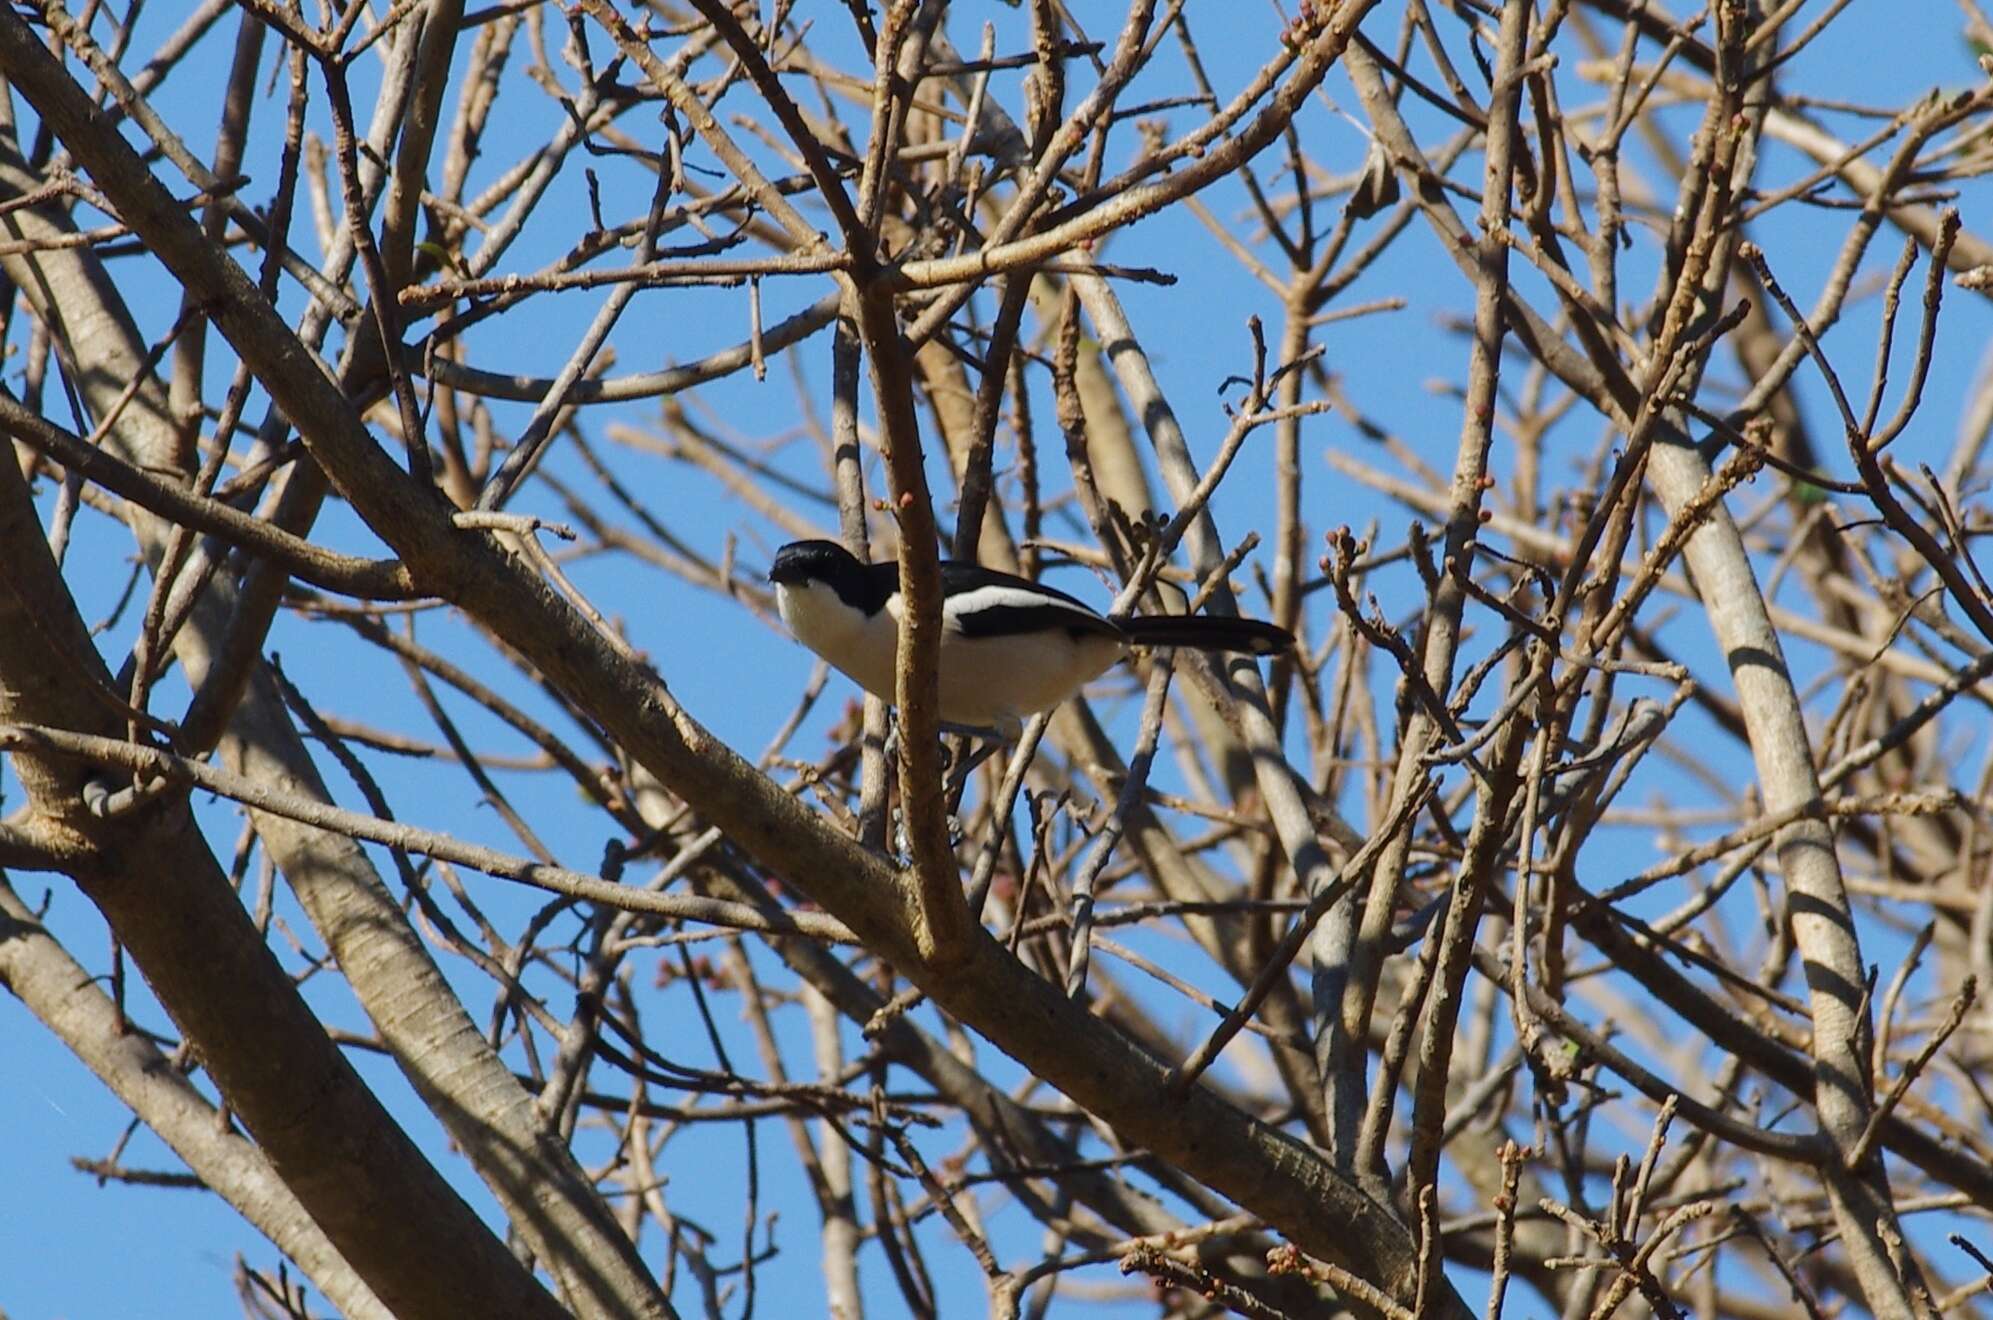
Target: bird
(1010, 647)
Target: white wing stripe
(1000, 597)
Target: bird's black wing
(983, 602)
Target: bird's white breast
(862, 648)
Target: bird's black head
(859, 585)
(811, 561)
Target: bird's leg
(980, 753)
(987, 741)
(958, 782)
(983, 732)
(980, 732)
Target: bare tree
(1325, 986)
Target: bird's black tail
(1206, 632)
